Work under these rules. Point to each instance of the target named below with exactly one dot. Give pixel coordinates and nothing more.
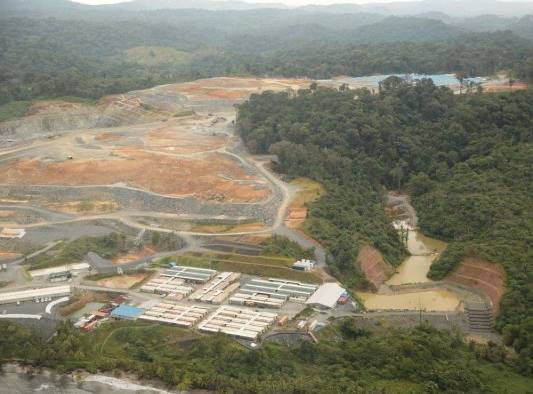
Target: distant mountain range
(460, 8)
(427, 8)
(213, 5)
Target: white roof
(14, 296)
(327, 295)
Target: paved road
(15, 272)
(234, 149)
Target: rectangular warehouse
(257, 300)
(238, 322)
(168, 285)
(180, 315)
(34, 294)
(189, 274)
(279, 288)
(326, 296)
(217, 289)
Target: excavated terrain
(165, 153)
(375, 268)
(488, 278)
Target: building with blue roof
(127, 312)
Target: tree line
(465, 159)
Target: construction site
(167, 161)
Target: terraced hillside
(146, 159)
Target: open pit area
(146, 158)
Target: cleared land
(309, 191)
(122, 281)
(170, 149)
(264, 266)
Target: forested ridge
(465, 159)
(87, 53)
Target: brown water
(414, 269)
(428, 300)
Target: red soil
(375, 268)
(175, 140)
(210, 177)
(486, 277)
(147, 251)
(107, 136)
(493, 88)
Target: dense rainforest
(91, 53)
(346, 360)
(465, 159)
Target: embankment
(483, 276)
(374, 266)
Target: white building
(34, 294)
(303, 265)
(326, 296)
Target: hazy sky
(288, 2)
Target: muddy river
(413, 270)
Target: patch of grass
(107, 246)
(221, 228)
(266, 260)
(311, 190)
(245, 267)
(14, 109)
(283, 246)
(76, 99)
(186, 112)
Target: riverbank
(23, 380)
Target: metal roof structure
(180, 315)
(167, 285)
(256, 300)
(238, 322)
(279, 288)
(326, 296)
(192, 274)
(217, 289)
(128, 312)
(32, 294)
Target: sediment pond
(413, 270)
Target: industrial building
(217, 289)
(258, 300)
(127, 312)
(180, 315)
(285, 290)
(326, 296)
(189, 274)
(34, 294)
(174, 287)
(242, 323)
(303, 265)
